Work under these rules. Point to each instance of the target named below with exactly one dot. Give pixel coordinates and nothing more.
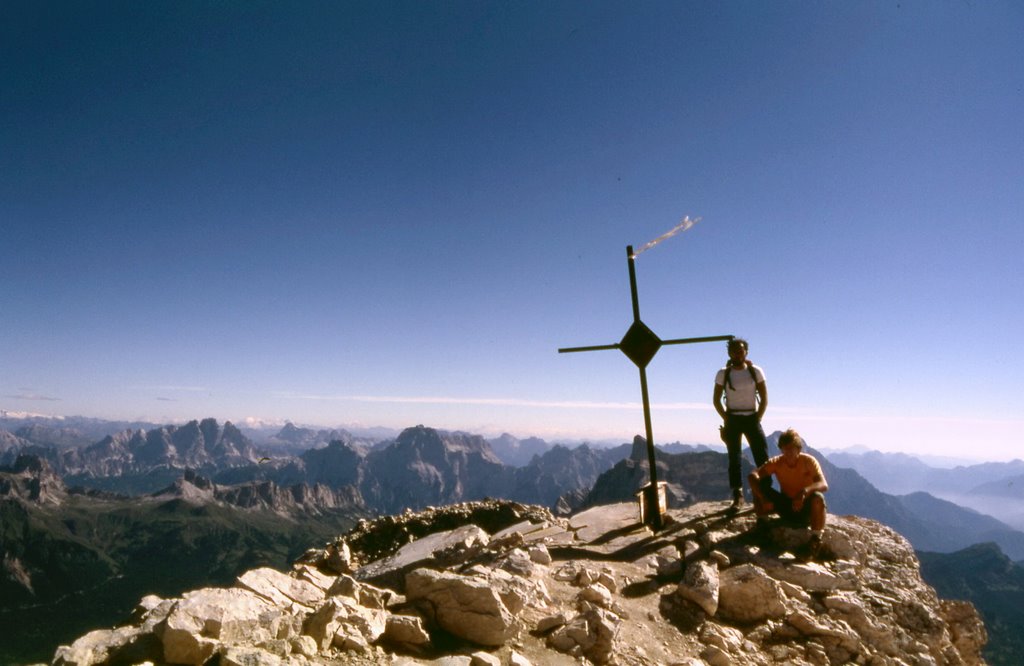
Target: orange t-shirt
(793, 479)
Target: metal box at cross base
(653, 503)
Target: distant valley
(996, 489)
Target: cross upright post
(640, 344)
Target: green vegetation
(85, 564)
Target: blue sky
(396, 213)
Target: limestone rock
(591, 634)
(435, 548)
(550, 622)
(700, 585)
(280, 589)
(304, 645)
(516, 659)
(747, 594)
(484, 659)
(341, 622)
(597, 594)
(464, 606)
(744, 599)
(406, 629)
(540, 555)
(96, 647)
(248, 656)
(338, 557)
(204, 619)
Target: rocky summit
(502, 583)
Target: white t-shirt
(742, 397)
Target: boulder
(406, 629)
(341, 622)
(280, 589)
(467, 607)
(202, 620)
(700, 585)
(590, 634)
(96, 647)
(435, 549)
(747, 594)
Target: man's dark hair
(738, 342)
(791, 437)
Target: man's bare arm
(716, 400)
(762, 392)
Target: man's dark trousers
(737, 426)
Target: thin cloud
(166, 387)
(497, 402)
(162, 399)
(34, 396)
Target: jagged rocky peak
(30, 478)
(425, 467)
(296, 438)
(337, 464)
(197, 480)
(497, 582)
(9, 441)
(297, 498)
(197, 444)
(517, 452)
(191, 487)
(431, 443)
(300, 498)
(639, 450)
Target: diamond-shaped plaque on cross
(640, 344)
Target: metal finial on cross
(640, 344)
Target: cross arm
(684, 341)
(565, 350)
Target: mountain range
(202, 476)
(424, 467)
(993, 488)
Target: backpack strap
(750, 369)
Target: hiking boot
(737, 498)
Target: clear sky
(392, 213)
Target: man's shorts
(784, 506)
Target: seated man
(803, 486)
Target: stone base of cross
(640, 344)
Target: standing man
(741, 384)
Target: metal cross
(640, 344)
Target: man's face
(737, 353)
(790, 453)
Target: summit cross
(640, 344)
